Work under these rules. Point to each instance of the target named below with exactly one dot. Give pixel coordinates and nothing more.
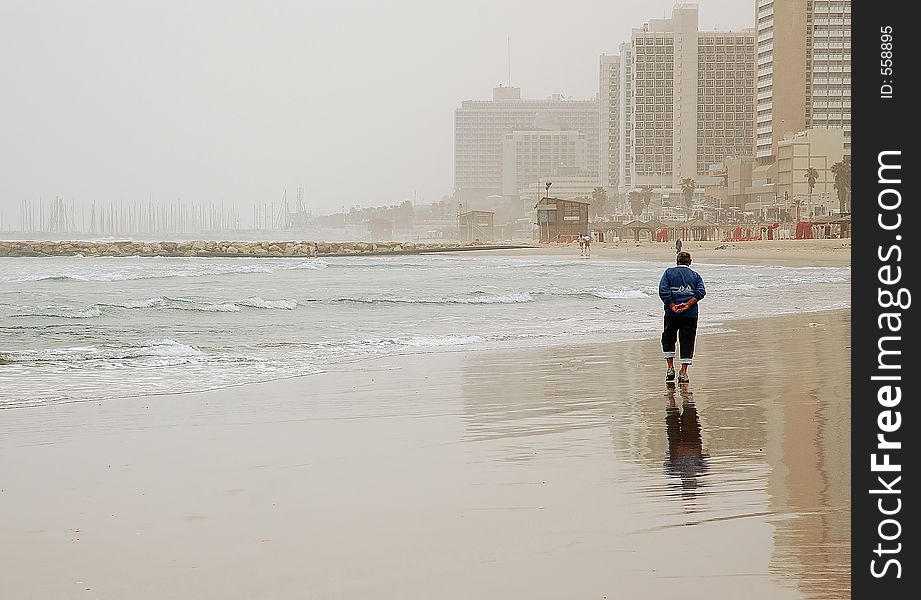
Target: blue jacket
(680, 284)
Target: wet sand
(564, 472)
(793, 253)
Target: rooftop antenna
(508, 49)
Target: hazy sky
(236, 101)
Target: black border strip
(883, 532)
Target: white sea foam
(257, 302)
(201, 305)
(162, 348)
(135, 268)
(611, 294)
(313, 264)
(518, 298)
(425, 341)
(145, 303)
(242, 334)
(65, 312)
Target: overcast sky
(236, 101)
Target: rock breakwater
(232, 248)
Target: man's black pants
(683, 330)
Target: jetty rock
(206, 248)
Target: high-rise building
(804, 66)
(685, 101)
(528, 156)
(609, 115)
(625, 122)
(481, 126)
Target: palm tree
(811, 175)
(842, 172)
(635, 198)
(646, 196)
(688, 187)
(599, 201)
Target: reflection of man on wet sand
(686, 458)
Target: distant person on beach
(588, 245)
(680, 290)
(582, 244)
(677, 245)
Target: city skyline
(187, 102)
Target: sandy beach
(793, 253)
(558, 472)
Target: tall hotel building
(684, 100)
(804, 70)
(481, 133)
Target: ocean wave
(423, 341)
(145, 303)
(518, 298)
(176, 304)
(609, 294)
(65, 312)
(162, 348)
(203, 306)
(257, 302)
(314, 264)
(103, 269)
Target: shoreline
(506, 473)
(719, 327)
(825, 252)
(793, 253)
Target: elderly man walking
(680, 290)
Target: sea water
(87, 328)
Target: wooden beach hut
(477, 225)
(562, 220)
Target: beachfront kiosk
(560, 220)
(477, 225)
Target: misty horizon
(353, 103)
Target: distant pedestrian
(582, 244)
(677, 245)
(588, 244)
(680, 289)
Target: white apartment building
(830, 85)
(625, 122)
(609, 98)
(803, 69)
(565, 186)
(818, 149)
(529, 156)
(686, 100)
(481, 126)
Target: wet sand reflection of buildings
(811, 462)
(772, 447)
